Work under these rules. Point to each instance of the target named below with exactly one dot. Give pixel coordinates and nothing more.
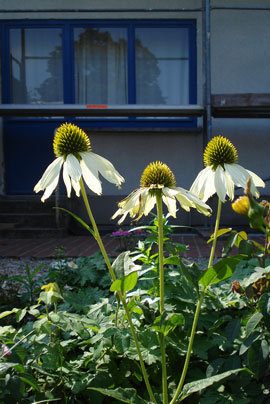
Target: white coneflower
(73, 151)
(158, 178)
(222, 172)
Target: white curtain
(100, 66)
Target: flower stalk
(161, 294)
(213, 249)
(197, 312)
(123, 301)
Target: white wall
(241, 64)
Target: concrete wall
(240, 64)
(240, 58)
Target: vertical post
(206, 64)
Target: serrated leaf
(198, 385)
(124, 395)
(220, 271)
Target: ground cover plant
(149, 325)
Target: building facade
(153, 53)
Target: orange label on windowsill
(96, 106)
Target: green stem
(191, 340)
(106, 258)
(213, 249)
(161, 295)
(197, 312)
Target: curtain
(100, 65)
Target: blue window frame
(102, 62)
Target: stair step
(29, 219)
(25, 216)
(33, 232)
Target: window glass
(100, 65)
(162, 65)
(36, 65)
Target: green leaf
(125, 284)
(122, 341)
(246, 247)
(242, 235)
(220, 271)
(192, 274)
(25, 377)
(172, 260)
(248, 342)
(264, 306)
(124, 395)
(123, 265)
(258, 358)
(198, 385)
(79, 220)
(214, 367)
(253, 322)
(233, 329)
(7, 313)
(4, 366)
(219, 233)
(255, 276)
(166, 324)
(20, 315)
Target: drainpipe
(206, 65)
(206, 62)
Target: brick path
(76, 246)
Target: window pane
(36, 65)
(100, 65)
(162, 66)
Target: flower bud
(241, 205)
(255, 214)
(237, 288)
(247, 206)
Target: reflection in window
(162, 66)
(36, 65)
(100, 65)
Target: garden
(149, 325)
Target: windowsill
(194, 131)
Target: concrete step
(25, 216)
(32, 232)
(29, 219)
(23, 204)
